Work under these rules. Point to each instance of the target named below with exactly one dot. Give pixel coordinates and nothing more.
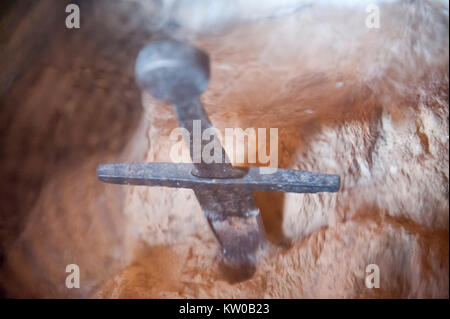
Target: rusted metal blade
(237, 225)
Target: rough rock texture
(368, 104)
(68, 102)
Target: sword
(178, 73)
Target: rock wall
(368, 104)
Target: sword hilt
(178, 73)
